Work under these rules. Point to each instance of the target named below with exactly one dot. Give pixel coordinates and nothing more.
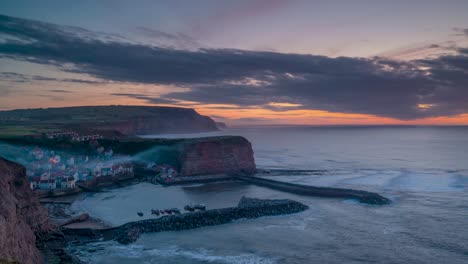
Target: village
(49, 170)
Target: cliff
(160, 120)
(217, 155)
(22, 218)
(128, 120)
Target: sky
(242, 62)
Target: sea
(423, 170)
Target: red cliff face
(170, 120)
(22, 217)
(219, 155)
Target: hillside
(127, 120)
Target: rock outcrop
(22, 218)
(217, 155)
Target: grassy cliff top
(23, 122)
(91, 113)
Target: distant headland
(110, 120)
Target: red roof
(47, 181)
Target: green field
(15, 130)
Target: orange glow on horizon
(234, 114)
(318, 117)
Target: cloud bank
(404, 90)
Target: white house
(47, 184)
(68, 182)
(34, 183)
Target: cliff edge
(217, 155)
(22, 218)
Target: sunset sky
(242, 62)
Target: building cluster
(48, 169)
(163, 170)
(72, 135)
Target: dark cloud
(21, 78)
(178, 40)
(59, 91)
(251, 78)
(148, 99)
(461, 31)
(247, 120)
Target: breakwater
(361, 196)
(247, 208)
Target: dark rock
(247, 208)
(361, 196)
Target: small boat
(189, 208)
(140, 214)
(154, 212)
(201, 207)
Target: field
(22, 130)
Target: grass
(13, 131)
(17, 131)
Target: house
(167, 171)
(55, 159)
(61, 134)
(82, 175)
(34, 182)
(47, 184)
(68, 182)
(106, 171)
(117, 169)
(82, 138)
